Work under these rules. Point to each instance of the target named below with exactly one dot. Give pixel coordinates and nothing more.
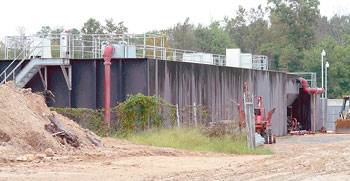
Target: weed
(195, 139)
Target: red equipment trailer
(262, 123)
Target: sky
(138, 15)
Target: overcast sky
(138, 15)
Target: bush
(135, 114)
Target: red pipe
(107, 56)
(309, 90)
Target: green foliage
(92, 26)
(2, 50)
(181, 36)
(44, 30)
(111, 28)
(338, 73)
(299, 16)
(212, 39)
(136, 113)
(92, 119)
(139, 111)
(290, 32)
(237, 28)
(195, 139)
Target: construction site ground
(308, 157)
(33, 147)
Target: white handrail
(19, 64)
(4, 72)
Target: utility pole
(322, 55)
(327, 65)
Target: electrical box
(40, 47)
(122, 50)
(64, 45)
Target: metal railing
(309, 76)
(91, 46)
(25, 56)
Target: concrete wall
(186, 83)
(334, 106)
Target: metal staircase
(34, 66)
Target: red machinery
(262, 123)
(107, 56)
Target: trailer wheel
(266, 137)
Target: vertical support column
(45, 77)
(314, 111)
(72, 39)
(177, 115)
(144, 45)
(154, 47)
(6, 48)
(82, 48)
(195, 114)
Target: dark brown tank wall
(185, 83)
(128, 76)
(178, 82)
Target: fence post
(250, 123)
(195, 114)
(177, 115)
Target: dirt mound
(23, 116)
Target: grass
(284, 137)
(194, 139)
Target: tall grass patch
(195, 139)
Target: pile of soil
(23, 116)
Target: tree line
(292, 33)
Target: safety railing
(12, 72)
(91, 46)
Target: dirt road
(319, 157)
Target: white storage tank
(246, 61)
(233, 57)
(202, 58)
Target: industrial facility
(72, 67)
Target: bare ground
(319, 157)
(23, 116)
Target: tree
(299, 16)
(338, 57)
(257, 30)
(2, 50)
(212, 39)
(21, 30)
(57, 30)
(181, 35)
(237, 28)
(74, 31)
(111, 28)
(92, 26)
(322, 29)
(339, 26)
(45, 30)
